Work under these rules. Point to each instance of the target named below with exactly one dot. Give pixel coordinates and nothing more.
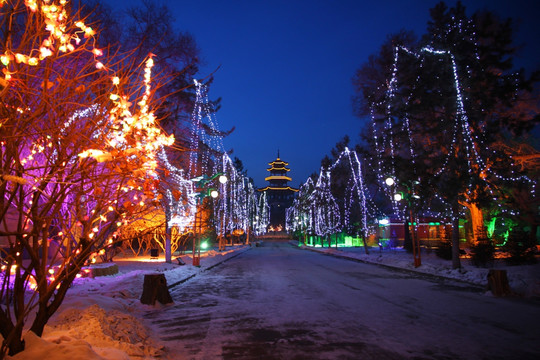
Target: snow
(523, 280)
(102, 317)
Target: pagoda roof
(277, 177)
(286, 188)
(278, 164)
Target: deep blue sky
(286, 67)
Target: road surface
(280, 302)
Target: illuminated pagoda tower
(279, 194)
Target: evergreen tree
(444, 102)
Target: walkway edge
(344, 256)
(237, 253)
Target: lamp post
(409, 195)
(203, 193)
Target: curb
(396, 268)
(208, 268)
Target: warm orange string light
(56, 16)
(142, 124)
(56, 19)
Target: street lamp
(409, 196)
(202, 193)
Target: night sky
(286, 67)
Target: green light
(491, 227)
(204, 245)
(505, 236)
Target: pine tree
(447, 99)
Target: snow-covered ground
(102, 318)
(523, 280)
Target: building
(431, 232)
(279, 194)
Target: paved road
(281, 302)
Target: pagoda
(279, 194)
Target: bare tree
(78, 144)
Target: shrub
(482, 253)
(520, 248)
(444, 251)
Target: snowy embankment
(524, 280)
(103, 318)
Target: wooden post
(155, 288)
(498, 282)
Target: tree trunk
(456, 264)
(477, 220)
(155, 288)
(532, 234)
(365, 244)
(12, 334)
(46, 307)
(498, 282)
(407, 240)
(168, 234)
